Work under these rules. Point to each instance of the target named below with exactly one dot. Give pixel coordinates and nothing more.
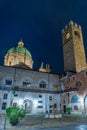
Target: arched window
(42, 84)
(85, 99)
(78, 83)
(75, 99)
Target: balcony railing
(36, 89)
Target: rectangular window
(55, 105)
(15, 95)
(8, 82)
(50, 111)
(4, 105)
(75, 107)
(50, 97)
(50, 106)
(40, 96)
(5, 96)
(14, 104)
(40, 101)
(40, 106)
(25, 83)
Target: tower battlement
(71, 23)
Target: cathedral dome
(20, 49)
(18, 55)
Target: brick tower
(73, 48)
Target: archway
(28, 105)
(85, 104)
(76, 103)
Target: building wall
(77, 81)
(22, 87)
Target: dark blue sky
(39, 24)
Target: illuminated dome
(17, 55)
(20, 49)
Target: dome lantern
(20, 43)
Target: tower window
(76, 33)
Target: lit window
(8, 82)
(42, 84)
(75, 99)
(5, 96)
(4, 105)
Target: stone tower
(73, 48)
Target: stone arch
(75, 103)
(75, 99)
(85, 103)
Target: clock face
(67, 35)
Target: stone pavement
(34, 123)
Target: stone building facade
(37, 91)
(76, 96)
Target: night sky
(39, 23)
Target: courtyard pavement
(37, 123)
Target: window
(55, 105)
(50, 106)
(42, 84)
(86, 73)
(50, 97)
(40, 106)
(73, 77)
(15, 95)
(8, 82)
(75, 99)
(78, 83)
(14, 104)
(76, 33)
(4, 105)
(5, 96)
(40, 101)
(40, 96)
(50, 111)
(26, 83)
(75, 107)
